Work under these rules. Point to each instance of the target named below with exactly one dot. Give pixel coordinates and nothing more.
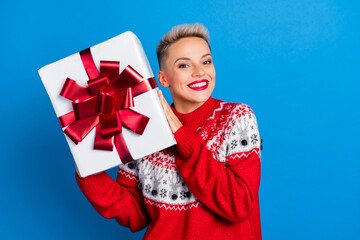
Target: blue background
(296, 63)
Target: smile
(199, 85)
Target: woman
(205, 187)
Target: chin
(202, 99)
(203, 96)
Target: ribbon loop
(73, 90)
(105, 104)
(110, 68)
(128, 78)
(123, 99)
(85, 108)
(144, 86)
(133, 120)
(66, 119)
(98, 84)
(78, 130)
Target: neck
(187, 108)
(196, 117)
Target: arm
(230, 189)
(121, 199)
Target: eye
(183, 65)
(208, 62)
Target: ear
(163, 79)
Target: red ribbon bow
(105, 104)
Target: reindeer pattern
(239, 131)
(163, 183)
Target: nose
(198, 71)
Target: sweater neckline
(195, 118)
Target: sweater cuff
(94, 185)
(186, 140)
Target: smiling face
(189, 73)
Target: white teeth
(196, 85)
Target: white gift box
(127, 49)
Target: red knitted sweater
(205, 187)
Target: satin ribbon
(105, 104)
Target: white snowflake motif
(204, 135)
(254, 139)
(233, 144)
(182, 194)
(163, 193)
(147, 188)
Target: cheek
(179, 78)
(213, 74)
(173, 78)
(174, 83)
(211, 71)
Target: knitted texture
(205, 187)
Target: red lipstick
(199, 85)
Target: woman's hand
(172, 119)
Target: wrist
(185, 139)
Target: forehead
(188, 47)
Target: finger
(164, 104)
(166, 108)
(162, 99)
(172, 119)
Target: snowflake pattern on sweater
(231, 131)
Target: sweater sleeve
(229, 189)
(120, 199)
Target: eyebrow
(185, 58)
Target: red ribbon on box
(105, 104)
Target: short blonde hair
(176, 33)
